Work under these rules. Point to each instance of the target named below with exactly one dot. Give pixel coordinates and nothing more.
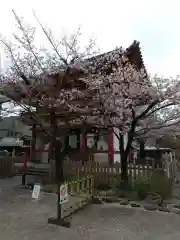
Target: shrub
(124, 186)
(142, 187)
(161, 184)
(123, 189)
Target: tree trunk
(125, 152)
(59, 156)
(158, 154)
(142, 154)
(124, 164)
(66, 144)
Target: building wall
(23, 129)
(73, 140)
(102, 145)
(101, 154)
(44, 155)
(7, 127)
(101, 157)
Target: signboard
(63, 193)
(36, 191)
(90, 140)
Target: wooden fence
(102, 173)
(6, 166)
(105, 173)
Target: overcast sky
(156, 24)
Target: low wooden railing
(104, 173)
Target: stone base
(124, 202)
(59, 222)
(164, 209)
(135, 205)
(150, 207)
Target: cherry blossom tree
(31, 67)
(164, 117)
(44, 82)
(86, 89)
(156, 119)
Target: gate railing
(82, 187)
(81, 192)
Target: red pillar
(84, 141)
(110, 146)
(33, 142)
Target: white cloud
(117, 22)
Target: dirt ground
(21, 218)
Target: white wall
(44, 155)
(73, 141)
(116, 145)
(102, 143)
(101, 157)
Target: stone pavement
(21, 218)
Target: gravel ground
(21, 218)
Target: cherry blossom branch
(27, 39)
(159, 108)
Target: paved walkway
(21, 218)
